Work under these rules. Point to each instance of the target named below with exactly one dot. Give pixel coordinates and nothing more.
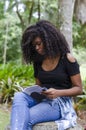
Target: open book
(35, 92)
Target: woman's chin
(40, 52)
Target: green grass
(4, 119)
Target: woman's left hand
(50, 93)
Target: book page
(36, 88)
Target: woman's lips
(39, 51)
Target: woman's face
(38, 45)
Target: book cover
(35, 92)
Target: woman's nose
(37, 47)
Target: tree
(5, 45)
(66, 14)
(10, 36)
(80, 11)
(21, 13)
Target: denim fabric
(26, 112)
(68, 114)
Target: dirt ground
(82, 118)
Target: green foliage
(79, 34)
(10, 33)
(14, 20)
(1, 9)
(12, 23)
(17, 70)
(13, 78)
(7, 89)
(50, 13)
(81, 99)
(80, 54)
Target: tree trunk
(5, 46)
(80, 11)
(65, 14)
(39, 10)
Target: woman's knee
(22, 98)
(18, 97)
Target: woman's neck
(50, 63)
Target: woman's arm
(76, 85)
(75, 90)
(37, 82)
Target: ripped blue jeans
(26, 112)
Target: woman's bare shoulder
(70, 57)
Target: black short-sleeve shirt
(59, 77)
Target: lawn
(4, 118)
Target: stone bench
(48, 126)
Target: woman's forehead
(37, 39)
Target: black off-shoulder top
(59, 77)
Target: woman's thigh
(44, 112)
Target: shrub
(14, 77)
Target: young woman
(54, 68)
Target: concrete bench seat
(48, 126)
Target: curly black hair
(53, 40)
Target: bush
(79, 34)
(14, 77)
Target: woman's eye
(37, 44)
